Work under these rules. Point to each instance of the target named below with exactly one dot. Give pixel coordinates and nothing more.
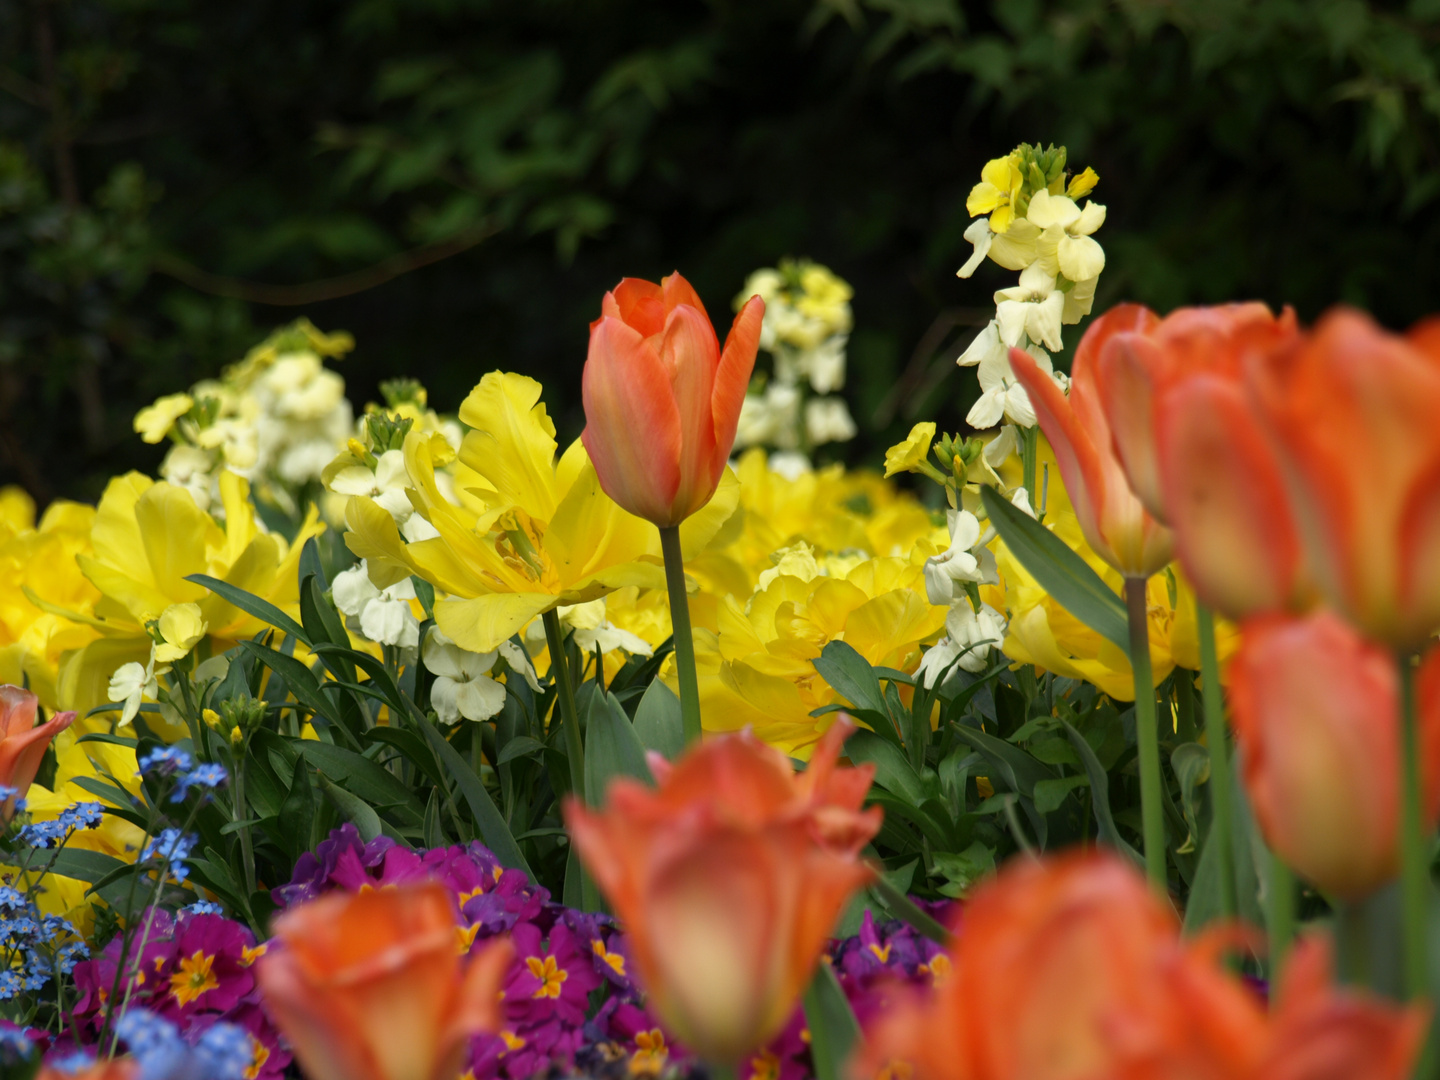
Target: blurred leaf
(658, 723)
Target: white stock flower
(1001, 394)
(791, 464)
(462, 686)
(828, 419)
(824, 365)
(608, 637)
(191, 468)
(386, 484)
(1032, 309)
(132, 683)
(384, 614)
(986, 343)
(970, 637)
(1002, 446)
(1066, 245)
(965, 560)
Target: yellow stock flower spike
(532, 533)
(905, 456)
(1000, 183)
(147, 537)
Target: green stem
(1280, 912)
(569, 715)
(1414, 846)
(1222, 833)
(1147, 737)
(247, 848)
(684, 639)
(1029, 458)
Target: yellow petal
(706, 524)
(513, 444)
(371, 534)
(905, 456)
(983, 198)
(482, 623)
(589, 531)
(1001, 219)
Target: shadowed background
(456, 182)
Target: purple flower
(550, 977)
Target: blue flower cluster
(47, 945)
(221, 1051)
(172, 847)
(54, 833)
(167, 761)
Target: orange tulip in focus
(729, 879)
(1071, 968)
(1114, 521)
(22, 744)
(1353, 410)
(369, 986)
(1315, 707)
(1197, 456)
(661, 398)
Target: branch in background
(314, 292)
(921, 375)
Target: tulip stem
(1029, 458)
(1147, 737)
(570, 716)
(1414, 849)
(1212, 699)
(680, 626)
(1280, 913)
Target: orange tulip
(1196, 454)
(122, 1068)
(729, 878)
(22, 744)
(369, 986)
(1071, 968)
(1114, 521)
(1314, 708)
(1353, 410)
(661, 398)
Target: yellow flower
(757, 668)
(147, 538)
(532, 533)
(905, 456)
(17, 510)
(996, 192)
(42, 560)
(155, 421)
(181, 626)
(825, 298)
(1082, 183)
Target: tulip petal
(732, 377)
(632, 430)
(513, 444)
(480, 624)
(691, 353)
(1228, 503)
(675, 291)
(639, 304)
(1127, 394)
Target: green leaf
(297, 812)
(1203, 905)
(611, 747)
(371, 782)
(86, 866)
(114, 740)
(493, 830)
(251, 604)
(851, 676)
(519, 746)
(658, 723)
(414, 749)
(435, 836)
(834, 1031)
(1100, 795)
(1058, 570)
(963, 869)
(300, 679)
(354, 809)
(1191, 763)
(893, 897)
(893, 770)
(1049, 794)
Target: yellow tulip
(531, 533)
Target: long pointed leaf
(263, 610)
(493, 829)
(1058, 570)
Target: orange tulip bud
(661, 398)
(369, 986)
(729, 879)
(1071, 968)
(1315, 711)
(22, 744)
(1196, 454)
(1353, 412)
(1114, 521)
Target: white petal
(964, 529)
(987, 411)
(354, 480)
(1091, 218)
(1000, 447)
(519, 662)
(480, 699)
(404, 589)
(986, 342)
(937, 658)
(443, 694)
(939, 586)
(1047, 210)
(1010, 318)
(1081, 258)
(980, 235)
(1042, 323)
(127, 680)
(1015, 249)
(989, 571)
(351, 589)
(478, 664)
(1021, 501)
(442, 656)
(416, 529)
(389, 622)
(390, 471)
(1017, 407)
(395, 503)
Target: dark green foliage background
(156, 153)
